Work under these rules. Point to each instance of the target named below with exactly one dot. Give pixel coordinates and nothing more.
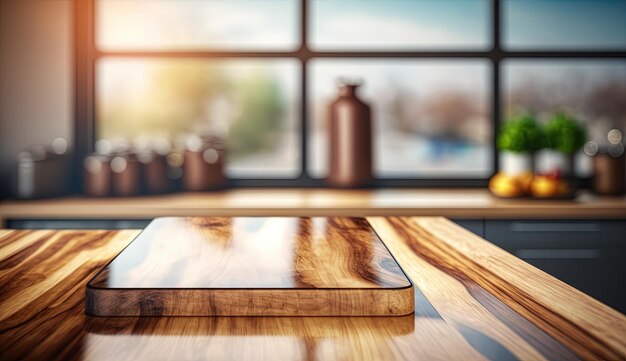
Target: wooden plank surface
(252, 266)
(588, 327)
(451, 203)
(477, 308)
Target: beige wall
(36, 80)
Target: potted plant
(519, 138)
(564, 137)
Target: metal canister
(97, 175)
(203, 166)
(609, 174)
(125, 175)
(155, 177)
(44, 171)
(609, 164)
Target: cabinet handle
(541, 253)
(554, 227)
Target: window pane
(400, 24)
(253, 103)
(431, 118)
(564, 24)
(194, 24)
(591, 90)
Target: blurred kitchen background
(115, 77)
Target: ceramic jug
(350, 139)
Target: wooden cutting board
(252, 266)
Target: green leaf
(565, 134)
(521, 134)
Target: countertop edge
(451, 203)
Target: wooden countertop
(484, 304)
(452, 203)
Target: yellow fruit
(506, 186)
(544, 187)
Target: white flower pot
(551, 160)
(515, 163)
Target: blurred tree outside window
(234, 69)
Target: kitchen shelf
(452, 203)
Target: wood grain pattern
(588, 327)
(252, 266)
(43, 275)
(452, 203)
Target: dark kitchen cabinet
(473, 225)
(587, 254)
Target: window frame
(87, 54)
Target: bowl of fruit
(551, 185)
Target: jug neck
(347, 90)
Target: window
(591, 90)
(564, 24)
(439, 74)
(431, 118)
(197, 24)
(400, 25)
(253, 103)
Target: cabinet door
(586, 254)
(597, 272)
